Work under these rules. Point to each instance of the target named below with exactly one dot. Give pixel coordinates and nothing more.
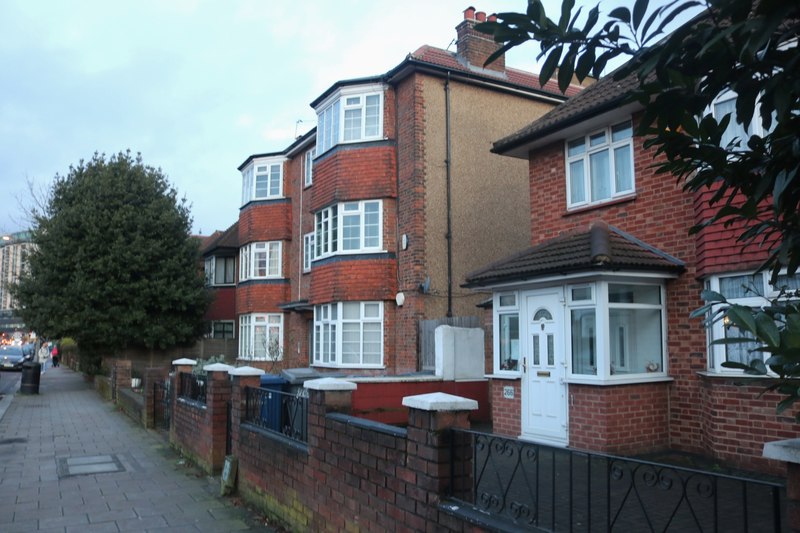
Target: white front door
(544, 390)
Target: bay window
(262, 180)
(261, 337)
(352, 114)
(600, 166)
(260, 260)
(348, 334)
(308, 251)
(350, 227)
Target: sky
(195, 86)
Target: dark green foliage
(114, 264)
(744, 46)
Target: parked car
(12, 357)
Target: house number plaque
(508, 393)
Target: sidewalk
(71, 462)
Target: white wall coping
(440, 401)
(246, 371)
(332, 384)
(184, 361)
(783, 450)
(217, 367)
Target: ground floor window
(348, 334)
(261, 337)
(751, 290)
(221, 329)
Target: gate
(426, 334)
(162, 404)
(228, 429)
(530, 486)
(114, 383)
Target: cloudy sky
(194, 85)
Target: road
(9, 382)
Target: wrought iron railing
(280, 412)
(556, 489)
(162, 404)
(192, 387)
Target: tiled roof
(601, 96)
(449, 60)
(600, 248)
(222, 239)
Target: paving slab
(69, 461)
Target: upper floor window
(220, 270)
(308, 251)
(308, 166)
(221, 329)
(751, 290)
(259, 260)
(600, 166)
(351, 115)
(262, 180)
(349, 227)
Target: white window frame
(308, 251)
(328, 333)
(249, 256)
(308, 167)
(506, 309)
(211, 271)
(253, 348)
(329, 226)
(608, 145)
(763, 291)
(272, 170)
(599, 301)
(208, 270)
(332, 113)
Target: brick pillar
(122, 375)
(326, 395)
(789, 452)
(179, 366)
(151, 377)
(430, 449)
(241, 378)
(218, 393)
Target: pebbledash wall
(697, 411)
(352, 474)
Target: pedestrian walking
(43, 355)
(54, 355)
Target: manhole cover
(95, 464)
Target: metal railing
(162, 404)
(555, 489)
(280, 412)
(192, 387)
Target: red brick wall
(354, 279)
(223, 304)
(261, 297)
(622, 419)
(270, 221)
(506, 412)
(357, 172)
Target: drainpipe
(449, 234)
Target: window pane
(542, 314)
(740, 352)
(581, 294)
(351, 232)
(584, 340)
(373, 116)
(577, 182)
(621, 131)
(274, 259)
(508, 300)
(634, 294)
(741, 286)
(372, 224)
(576, 147)
(551, 353)
(262, 185)
(372, 310)
(623, 172)
(733, 131)
(599, 173)
(635, 340)
(351, 311)
(351, 343)
(352, 124)
(788, 283)
(536, 350)
(275, 180)
(509, 342)
(372, 343)
(597, 139)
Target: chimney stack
(476, 47)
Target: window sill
(614, 201)
(732, 375)
(509, 376)
(622, 381)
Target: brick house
(368, 224)
(593, 345)
(219, 253)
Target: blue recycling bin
(272, 402)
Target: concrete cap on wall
(246, 371)
(333, 384)
(215, 367)
(184, 361)
(440, 401)
(783, 450)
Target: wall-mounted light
(404, 241)
(400, 299)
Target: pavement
(71, 462)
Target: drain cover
(95, 464)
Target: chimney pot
(480, 16)
(469, 13)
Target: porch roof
(599, 248)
